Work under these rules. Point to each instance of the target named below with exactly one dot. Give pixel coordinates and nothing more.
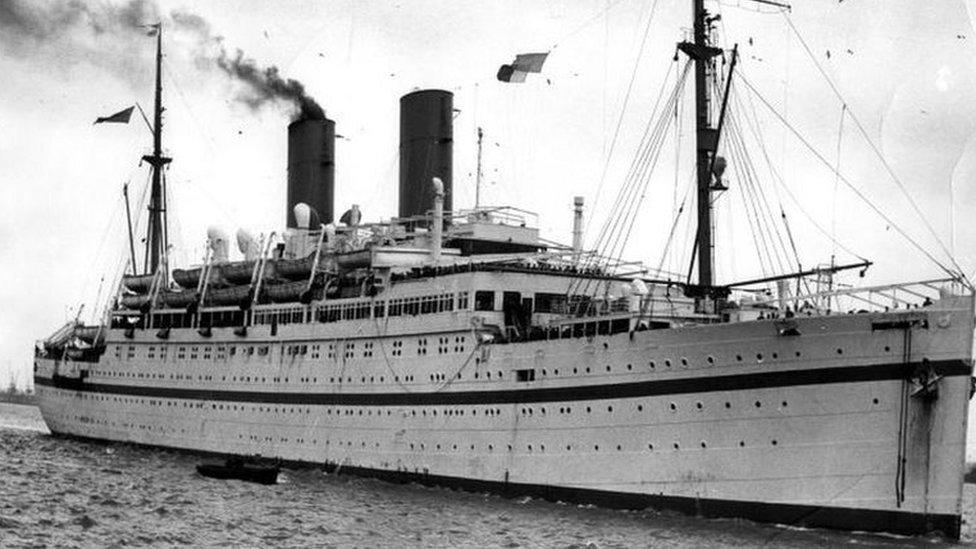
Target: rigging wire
(587, 22)
(761, 201)
(846, 182)
(619, 223)
(753, 124)
(881, 157)
(623, 108)
(833, 205)
(636, 179)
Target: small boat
(139, 284)
(286, 292)
(92, 335)
(236, 468)
(135, 301)
(241, 272)
(295, 268)
(233, 295)
(299, 290)
(238, 272)
(179, 299)
(190, 278)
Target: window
(484, 300)
(527, 374)
(550, 303)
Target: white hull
(731, 419)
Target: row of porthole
(699, 406)
(542, 447)
(759, 358)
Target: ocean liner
(460, 348)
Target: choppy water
(63, 493)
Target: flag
(524, 63)
(121, 117)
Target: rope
(623, 109)
(877, 152)
(587, 23)
(846, 182)
(753, 125)
(833, 205)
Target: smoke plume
(74, 33)
(268, 85)
(262, 85)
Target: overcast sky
(905, 68)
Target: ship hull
(857, 422)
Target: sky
(904, 69)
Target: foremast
(157, 232)
(706, 137)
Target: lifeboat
(180, 299)
(240, 272)
(91, 335)
(139, 284)
(295, 269)
(135, 301)
(232, 295)
(190, 278)
(299, 290)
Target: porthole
(676, 447)
(875, 401)
(667, 363)
(596, 447)
(797, 354)
(728, 404)
(775, 356)
(840, 351)
(698, 405)
(710, 360)
(588, 409)
(651, 364)
(650, 446)
(608, 368)
(684, 361)
(887, 349)
(640, 407)
(742, 444)
(759, 357)
(703, 445)
(738, 358)
(774, 442)
(619, 448)
(758, 404)
(785, 404)
(673, 407)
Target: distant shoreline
(18, 398)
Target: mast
(128, 220)
(477, 183)
(706, 137)
(156, 232)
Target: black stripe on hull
(701, 384)
(840, 518)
